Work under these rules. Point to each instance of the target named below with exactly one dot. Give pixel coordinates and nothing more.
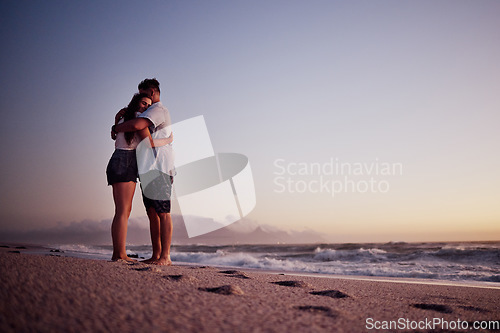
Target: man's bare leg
(154, 229)
(166, 239)
(123, 194)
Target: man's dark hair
(149, 84)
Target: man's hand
(120, 115)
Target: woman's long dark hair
(131, 109)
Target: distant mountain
(99, 233)
(246, 232)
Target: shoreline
(47, 249)
(48, 293)
(36, 249)
(388, 279)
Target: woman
(122, 172)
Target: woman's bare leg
(123, 193)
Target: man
(157, 118)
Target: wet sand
(51, 293)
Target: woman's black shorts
(122, 167)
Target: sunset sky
(286, 83)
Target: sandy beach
(51, 293)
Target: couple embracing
(145, 122)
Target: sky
(408, 87)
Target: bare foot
(126, 258)
(163, 261)
(150, 260)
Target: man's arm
(133, 125)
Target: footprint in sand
(474, 309)
(434, 307)
(298, 284)
(318, 309)
(229, 272)
(224, 290)
(330, 293)
(236, 274)
(148, 269)
(181, 278)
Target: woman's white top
(121, 142)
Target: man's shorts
(165, 186)
(122, 167)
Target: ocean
(466, 262)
